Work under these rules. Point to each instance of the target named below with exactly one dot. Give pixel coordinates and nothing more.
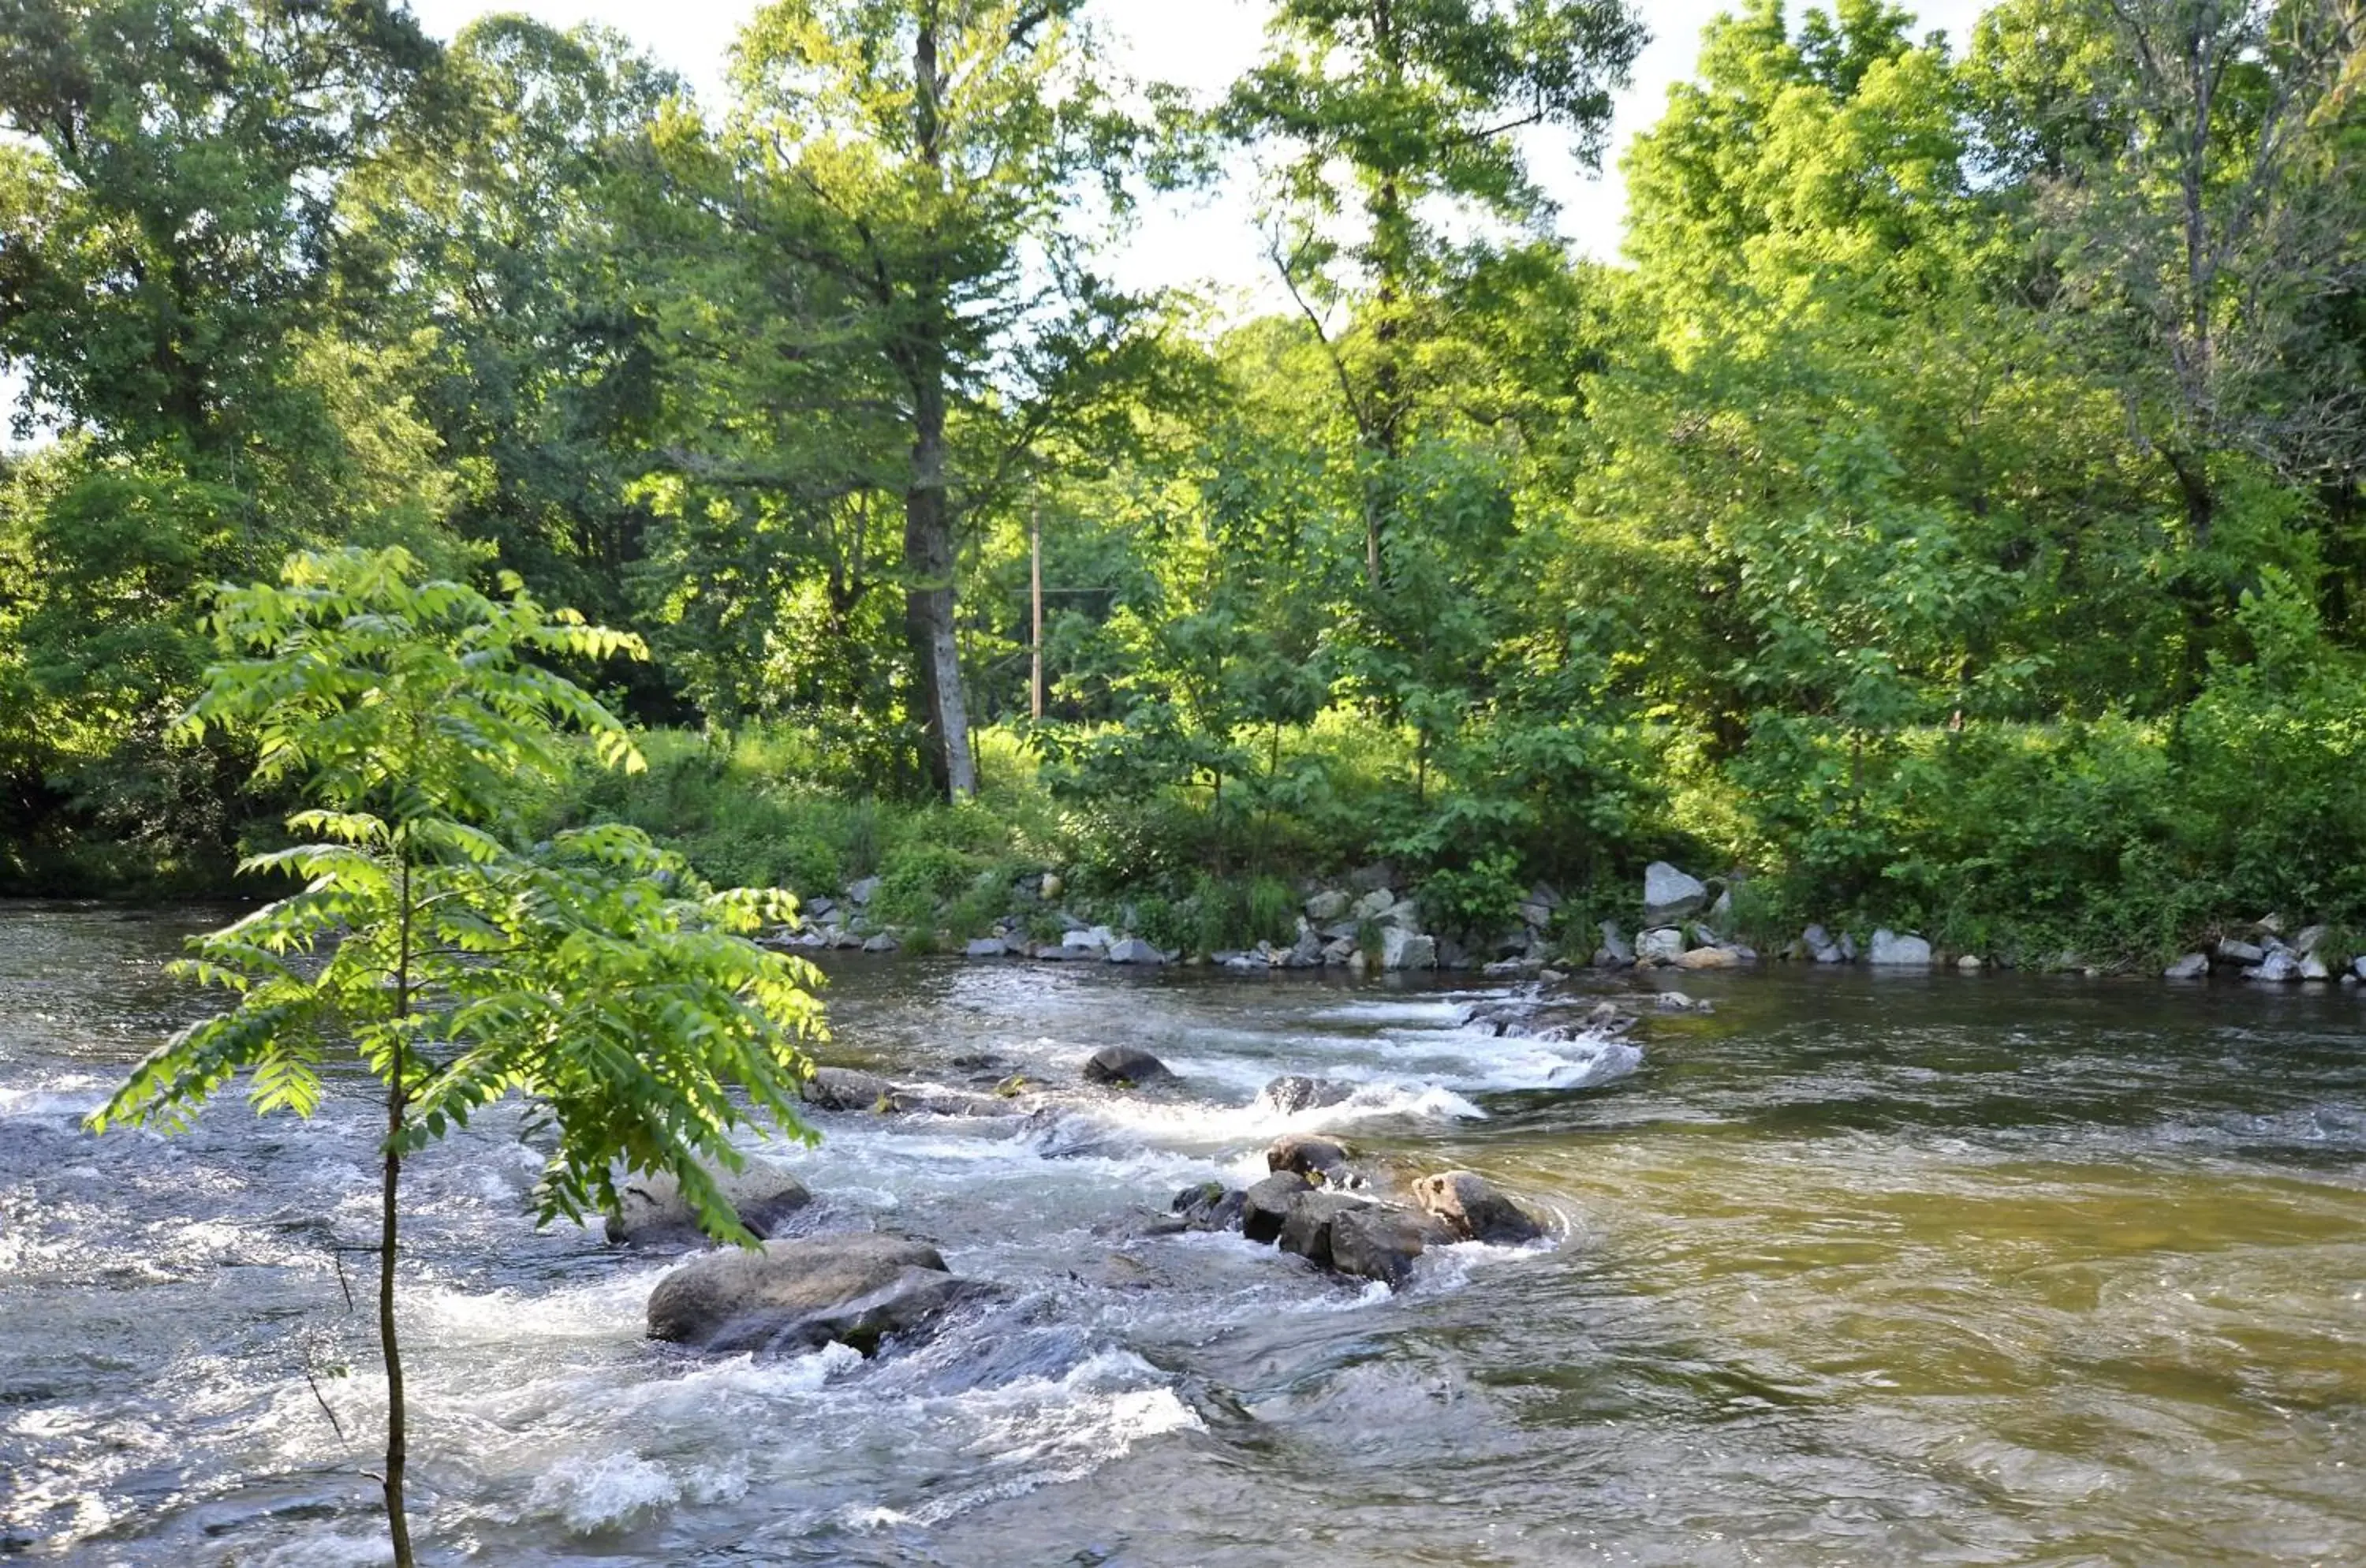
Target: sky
(1203, 45)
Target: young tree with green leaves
(594, 975)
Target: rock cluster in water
(1355, 1218)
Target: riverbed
(1858, 1269)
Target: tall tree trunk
(929, 564)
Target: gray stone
(818, 907)
(1373, 1242)
(1134, 950)
(1124, 1065)
(1095, 938)
(1293, 1093)
(863, 892)
(1970, 964)
(1615, 951)
(1338, 951)
(2312, 968)
(1372, 878)
(1306, 1229)
(2309, 940)
(1667, 1001)
(1469, 1207)
(1211, 1206)
(2233, 951)
(883, 943)
(2274, 968)
(1373, 905)
(799, 1295)
(1266, 1204)
(987, 947)
(1401, 949)
(1670, 895)
(1661, 944)
(2357, 967)
(652, 1211)
(1050, 887)
(1847, 947)
(2192, 967)
(844, 1088)
(1891, 951)
(1404, 914)
(1308, 1155)
(1710, 958)
(1328, 906)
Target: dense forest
(1948, 515)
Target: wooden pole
(1035, 564)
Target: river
(1857, 1269)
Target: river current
(1856, 1270)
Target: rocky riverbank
(1368, 923)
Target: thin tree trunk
(929, 605)
(397, 1452)
(397, 1448)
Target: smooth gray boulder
(2357, 967)
(1401, 949)
(652, 1211)
(2233, 951)
(1669, 894)
(1267, 1203)
(1372, 905)
(1125, 1065)
(1471, 1208)
(2307, 939)
(2312, 968)
(1891, 951)
(793, 1296)
(861, 893)
(1615, 951)
(1662, 944)
(846, 1089)
(1134, 950)
(1328, 906)
(2274, 968)
(987, 947)
(1295, 1092)
(883, 943)
(2192, 967)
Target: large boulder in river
(1662, 944)
(2192, 967)
(1375, 1242)
(651, 1210)
(1473, 1209)
(1124, 1067)
(1266, 1205)
(1890, 951)
(1403, 949)
(844, 1088)
(1134, 950)
(799, 1295)
(1306, 1229)
(1669, 894)
(1295, 1092)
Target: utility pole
(1035, 567)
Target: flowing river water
(1859, 1269)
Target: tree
(1390, 107)
(911, 164)
(594, 975)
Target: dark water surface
(1858, 1271)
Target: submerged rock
(2275, 969)
(1294, 1092)
(845, 1088)
(1124, 1067)
(1469, 1207)
(793, 1296)
(651, 1210)
(1211, 1206)
(2192, 967)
